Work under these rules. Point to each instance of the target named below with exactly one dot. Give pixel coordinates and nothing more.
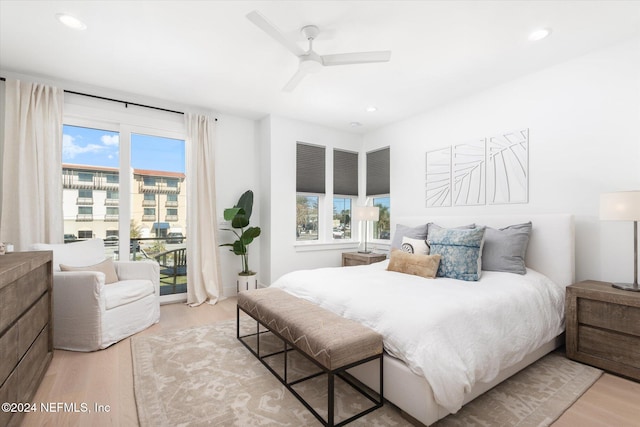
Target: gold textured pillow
(415, 264)
(107, 267)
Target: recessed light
(71, 21)
(355, 124)
(371, 109)
(540, 34)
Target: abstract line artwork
(493, 170)
(468, 170)
(439, 177)
(508, 168)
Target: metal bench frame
(376, 398)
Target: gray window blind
(378, 172)
(345, 173)
(310, 168)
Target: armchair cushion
(77, 254)
(126, 291)
(105, 267)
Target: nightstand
(357, 258)
(603, 327)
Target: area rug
(203, 376)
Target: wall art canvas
(438, 177)
(468, 173)
(492, 170)
(508, 168)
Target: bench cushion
(331, 340)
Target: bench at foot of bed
(333, 343)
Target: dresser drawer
(609, 315)
(599, 342)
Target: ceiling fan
(310, 61)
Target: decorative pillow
(414, 246)
(504, 249)
(418, 265)
(419, 232)
(461, 251)
(434, 226)
(107, 267)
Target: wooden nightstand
(603, 327)
(357, 258)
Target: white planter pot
(247, 283)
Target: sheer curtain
(204, 282)
(32, 165)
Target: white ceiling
(208, 55)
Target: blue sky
(98, 147)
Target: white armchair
(90, 315)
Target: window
(84, 193)
(310, 186)
(172, 212)
(345, 183)
(378, 187)
(151, 167)
(307, 217)
(85, 177)
(85, 234)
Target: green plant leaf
(239, 248)
(246, 202)
(239, 221)
(231, 213)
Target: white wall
(279, 136)
(583, 116)
(237, 170)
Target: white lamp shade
(366, 213)
(620, 206)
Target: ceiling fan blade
(295, 80)
(266, 26)
(356, 58)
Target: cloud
(110, 140)
(70, 149)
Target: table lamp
(366, 214)
(624, 206)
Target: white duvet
(452, 332)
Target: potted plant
(239, 215)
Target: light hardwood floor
(106, 378)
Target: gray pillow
(433, 226)
(504, 249)
(419, 232)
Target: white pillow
(414, 246)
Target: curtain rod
(126, 103)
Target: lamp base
(364, 252)
(633, 287)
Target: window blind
(378, 172)
(310, 168)
(345, 173)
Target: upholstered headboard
(551, 245)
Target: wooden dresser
(603, 327)
(26, 333)
(358, 258)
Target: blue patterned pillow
(461, 252)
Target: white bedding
(452, 332)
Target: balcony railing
(84, 201)
(171, 218)
(98, 182)
(171, 203)
(149, 217)
(111, 217)
(111, 202)
(84, 217)
(149, 203)
(158, 188)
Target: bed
(437, 363)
